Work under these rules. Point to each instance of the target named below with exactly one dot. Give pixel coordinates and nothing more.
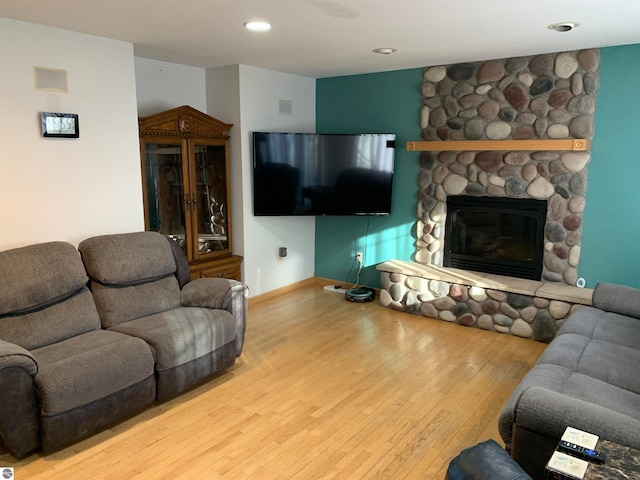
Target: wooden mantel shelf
(576, 144)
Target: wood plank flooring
(325, 389)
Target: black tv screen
(322, 174)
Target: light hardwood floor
(325, 389)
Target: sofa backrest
(43, 295)
(132, 275)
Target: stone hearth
(525, 308)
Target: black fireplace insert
(499, 235)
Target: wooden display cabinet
(186, 187)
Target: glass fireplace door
(499, 235)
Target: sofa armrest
(617, 299)
(12, 355)
(222, 293)
(19, 421)
(548, 412)
(211, 292)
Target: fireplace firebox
(498, 235)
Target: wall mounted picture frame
(59, 125)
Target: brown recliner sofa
(74, 361)
(194, 331)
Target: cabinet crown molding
(184, 121)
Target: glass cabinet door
(209, 178)
(165, 191)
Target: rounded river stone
(489, 109)
(508, 114)
(582, 104)
(474, 129)
(589, 59)
(514, 65)
(467, 319)
(582, 127)
(541, 85)
(541, 65)
(540, 188)
(491, 71)
(566, 65)
(462, 89)
(461, 71)
(517, 300)
(524, 132)
(517, 97)
(554, 232)
(490, 161)
(435, 74)
(498, 130)
(515, 187)
(559, 98)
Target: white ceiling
(325, 38)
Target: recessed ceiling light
(257, 26)
(563, 26)
(384, 51)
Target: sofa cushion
(89, 367)
(121, 304)
(183, 334)
(127, 258)
(615, 365)
(620, 299)
(605, 326)
(576, 385)
(132, 275)
(38, 275)
(73, 316)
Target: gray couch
(94, 335)
(587, 378)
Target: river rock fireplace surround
(542, 97)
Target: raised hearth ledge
(516, 306)
(550, 291)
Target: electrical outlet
(359, 257)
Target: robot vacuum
(362, 294)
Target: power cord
(356, 264)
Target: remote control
(581, 452)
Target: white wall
(223, 102)
(162, 85)
(247, 97)
(260, 93)
(67, 189)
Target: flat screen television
(322, 174)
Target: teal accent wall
(390, 102)
(611, 232)
(386, 102)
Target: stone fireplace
(550, 96)
(506, 105)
